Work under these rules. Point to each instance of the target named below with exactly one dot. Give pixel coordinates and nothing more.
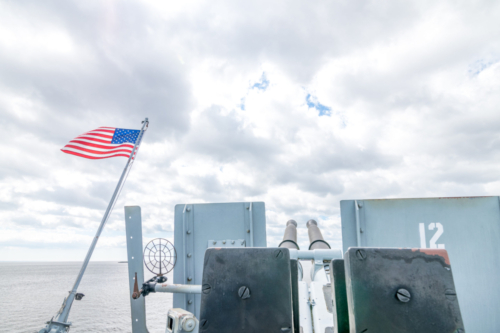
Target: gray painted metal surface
(467, 227)
(196, 224)
(247, 290)
(133, 227)
(226, 243)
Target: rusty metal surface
(265, 302)
(401, 290)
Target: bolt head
(403, 295)
(361, 254)
(190, 302)
(206, 288)
(244, 292)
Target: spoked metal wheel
(160, 256)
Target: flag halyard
(103, 142)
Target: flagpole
(60, 323)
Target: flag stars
(125, 135)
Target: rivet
(248, 231)
(190, 301)
(190, 278)
(189, 255)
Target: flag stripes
(104, 142)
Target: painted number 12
(433, 242)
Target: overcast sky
(299, 104)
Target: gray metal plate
(196, 224)
(339, 296)
(133, 228)
(467, 227)
(373, 278)
(294, 269)
(266, 274)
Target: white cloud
(412, 92)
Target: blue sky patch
(263, 83)
(312, 102)
(480, 65)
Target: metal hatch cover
(246, 290)
(401, 290)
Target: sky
(299, 104)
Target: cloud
(298, 105)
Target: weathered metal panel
(196, 224)
(467, 227)
(401, 290)
(247, 290)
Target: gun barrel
(315, 236)
(290, 236)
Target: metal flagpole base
(55, 327)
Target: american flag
(104, 142)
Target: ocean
(31, 293)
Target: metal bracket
(133, 227)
